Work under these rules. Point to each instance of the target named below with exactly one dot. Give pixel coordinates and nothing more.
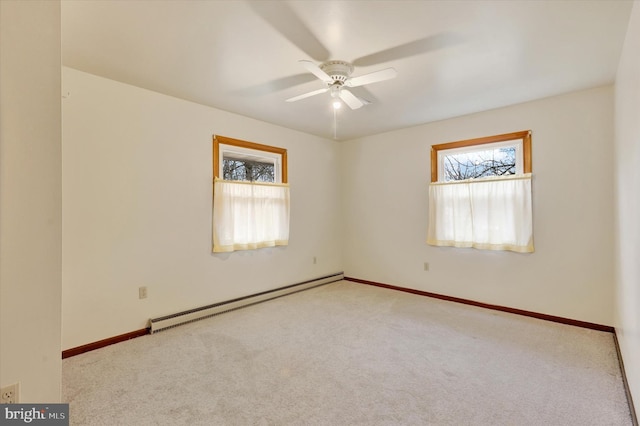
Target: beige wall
(627, 188)
(137, 199)
(385, 194)
(30, 199)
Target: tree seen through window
(248, 170)
(477, 164)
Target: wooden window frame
(217, 140)
(526, 148)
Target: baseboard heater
(169, 321)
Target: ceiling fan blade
(350, 99)
(373, 77)
(315, 70)
(284, 20)
(364, 95)
(307, 95)
(276, 85)
(417, 47)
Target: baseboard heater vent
(169, 321)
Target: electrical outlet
(426, 266)
(315, 260)
(142, 292)
(10, 394)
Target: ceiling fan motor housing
(339, 71)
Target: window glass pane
(248, 170)
(476, 164)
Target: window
(248, 161)
(250, 195)
(499, 155)
(480, 193)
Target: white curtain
(487, 213)
(249, 215)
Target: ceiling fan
(337, 77)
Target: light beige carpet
(351, 354)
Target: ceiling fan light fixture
(336, 104)
(334, 90)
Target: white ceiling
(452, 57)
